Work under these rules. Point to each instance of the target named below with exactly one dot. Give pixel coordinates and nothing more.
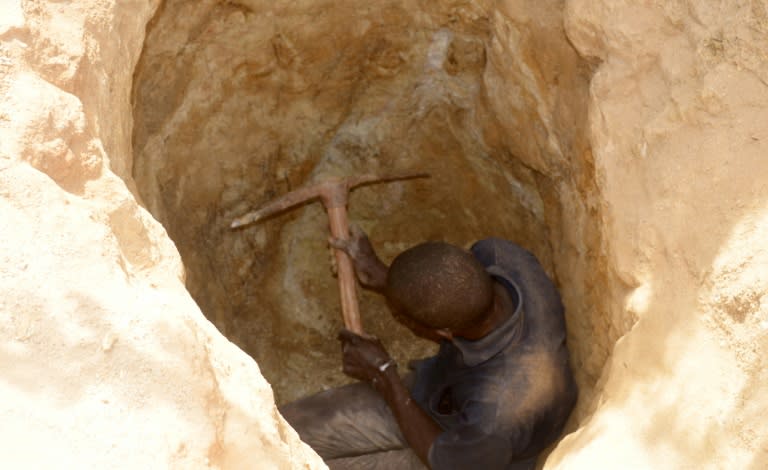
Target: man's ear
(444, 333)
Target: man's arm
(418, 428)
(372, 273)
(364, 358)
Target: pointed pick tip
(239, 222)
(247, 219)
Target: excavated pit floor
(238, 102)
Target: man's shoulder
(493, 243)
(543, 307)
(505, 254)
(494, 249)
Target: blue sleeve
(497, 251)
(485, 251)
(475, 441)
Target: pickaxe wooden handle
(333, 193)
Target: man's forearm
(418, 428)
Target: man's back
(493, 402)
(505, 397)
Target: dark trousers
(351, 427)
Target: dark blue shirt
(504, 398)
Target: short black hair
(439, 285)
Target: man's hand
(370, 270)
(362, 356)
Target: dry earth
(624, 143)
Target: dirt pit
(634, 168)
(236, 103)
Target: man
(497, 393)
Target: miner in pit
(496, 394)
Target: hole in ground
(236, 102)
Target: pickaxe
(333, 193)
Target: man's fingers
(338, 243)
(348, 337)
(354, 338)
(356, 231)
(368, 337)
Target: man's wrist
(376, 276)
(386, 365)
(385, 380)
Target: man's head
(439, 286)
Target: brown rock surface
(238, 102)
(623, 144)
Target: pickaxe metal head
(333, 193)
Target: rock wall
(105, 360)
(679, 127)
(237, 102)
(623, 143)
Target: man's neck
(501, 309)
